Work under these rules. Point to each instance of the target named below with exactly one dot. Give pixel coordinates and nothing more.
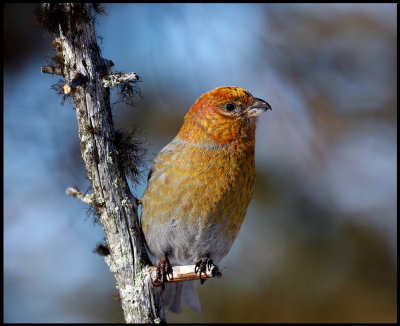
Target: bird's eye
(230, 106)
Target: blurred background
(319, 243)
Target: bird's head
(223, 115)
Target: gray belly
(186, 243)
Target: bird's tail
(175, 293)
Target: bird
(199, 188)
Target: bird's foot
(164, 270)
(206, 263)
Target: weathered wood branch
(112, 80)
(75, 192)
(78, 60)
(183, 274)
(116, 79)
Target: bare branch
(81, 65)
(116, 79)
(75, 192)
(184, 273)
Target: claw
(206, 263)
(163, 271)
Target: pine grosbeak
(200, 185)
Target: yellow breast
(200, 185)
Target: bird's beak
(257, 108)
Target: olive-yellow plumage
(200, 185)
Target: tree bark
(79, 62)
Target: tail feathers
(190, 296)
(175, 292)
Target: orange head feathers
(221, 116)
